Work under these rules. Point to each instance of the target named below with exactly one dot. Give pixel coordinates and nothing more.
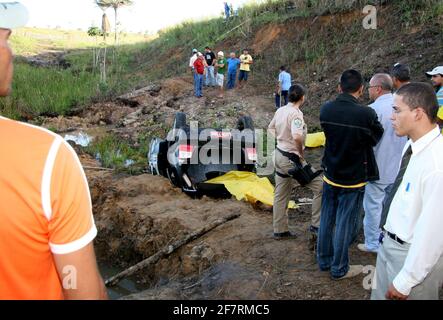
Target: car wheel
(173, 177)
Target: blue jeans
(243, 75)
(210, 77)
(373, 202)
(231, 80)
(340, 208)
(198, 84)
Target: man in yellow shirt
(245, 68)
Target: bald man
(387, 154)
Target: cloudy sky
(144, 15)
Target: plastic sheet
(314, 140)
(248, 186)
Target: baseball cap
(194, 50)
(220, 53)
(437, 70)
(13, 15)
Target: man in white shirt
(387, 153)
(192, 60)
(410, 260)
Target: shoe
(354, 270)
(362, 247)
(284, 235)
(313, 230)
(313, 242)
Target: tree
(105, 29)
(95, 32)
(115, 4)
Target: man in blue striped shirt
(388, 154)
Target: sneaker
(354, 270)
(284, 235)
(362, 247)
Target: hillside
(137, 213)
(317, 40)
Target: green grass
(114, 153)
(420, 12)
(137, 61)
(47, 90)
(53, 90)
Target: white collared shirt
(416, 212)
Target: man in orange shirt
(46, 222)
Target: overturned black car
(190, 155)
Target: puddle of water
(81, 139)
(124, 287)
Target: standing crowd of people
(383, 160)
(210, 70)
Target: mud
(138, 215)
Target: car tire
(179, 121)
(245, 122)
(173, 177)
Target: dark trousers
(231, 80)
(340, 210)
(284, 95)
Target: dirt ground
(138, 215)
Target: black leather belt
(282, 175)
(394, 237)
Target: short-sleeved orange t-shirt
(45, 209)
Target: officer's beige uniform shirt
(287, 123)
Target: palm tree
(115, 4)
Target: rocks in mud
(130, 103)
(130, 99)
(200, 258)
(172, 103)
(49, 59)
(152, 90)
(147, 109)
(131, 118)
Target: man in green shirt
(221, 70)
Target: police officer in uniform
(289, 128)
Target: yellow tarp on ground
(314, 140)
(248, 186)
